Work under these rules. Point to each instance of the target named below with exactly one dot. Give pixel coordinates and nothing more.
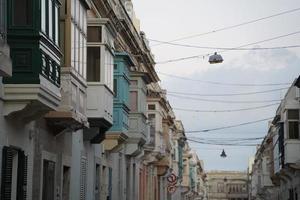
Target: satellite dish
(223, 154)
(216, 58)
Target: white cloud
(263, 60)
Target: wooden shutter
(22, 176)
(109, 183)
(6, 182)
(48, 180)
(83, 174)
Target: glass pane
(56, 24)
(50, 23)
(293, 114)
(293, 130)
(133, 101)
(94, 34)
(80, 62)
(76, 46)
(84, 58)
(72, 45)
(43, 14)
(93, 64)
(22, 12)
(115, 87)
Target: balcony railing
(50, 70)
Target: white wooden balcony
(99, 104)
(291, 152)
(99, 111)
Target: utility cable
(231, 126)
(207, 54)
(233, 94)
(222, 111)
(223, 83)
(229, 48)
(221, 101)
(221, 144)
(227, 139)
(232, 26)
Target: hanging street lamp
(215, 58)
(223, 154)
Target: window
(43, 15)
(106, 63)
(22, 12)
(293, 124)
(151, 119)
(66, 183)
(220, 187)
(48, 179)
(293, 114)
(133, 82)
(83, 178)
(293, 130)
(151, 107)
(115, 87)
(97, 182)
(78, 46)
(133, 101)
(50, 19)
(94, 33)
(14, 174)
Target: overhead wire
(244, 45)
(228, 110)
(223, 83)
(228, 139)
(233, 26)
(229, 48)
(221, 144)
(232, 94)
(230, 126)
(222, 101)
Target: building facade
(276, 168)
(227, 185)
(82, 114)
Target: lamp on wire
(223, 154)
(215, 58)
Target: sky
(167, 20)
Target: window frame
(288, 121)
(12, 12)
(54, 36)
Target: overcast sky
(171, 19)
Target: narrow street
(149, 100)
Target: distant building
(227, 185)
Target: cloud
(264, 60)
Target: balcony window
(94, 33)
(78, 38)
(50, 19)
(95, 38)
(151, 118)
(133, 101)
(93, 64)
(151, 107)
(293, 124)
(22, 12)
(115, 87)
